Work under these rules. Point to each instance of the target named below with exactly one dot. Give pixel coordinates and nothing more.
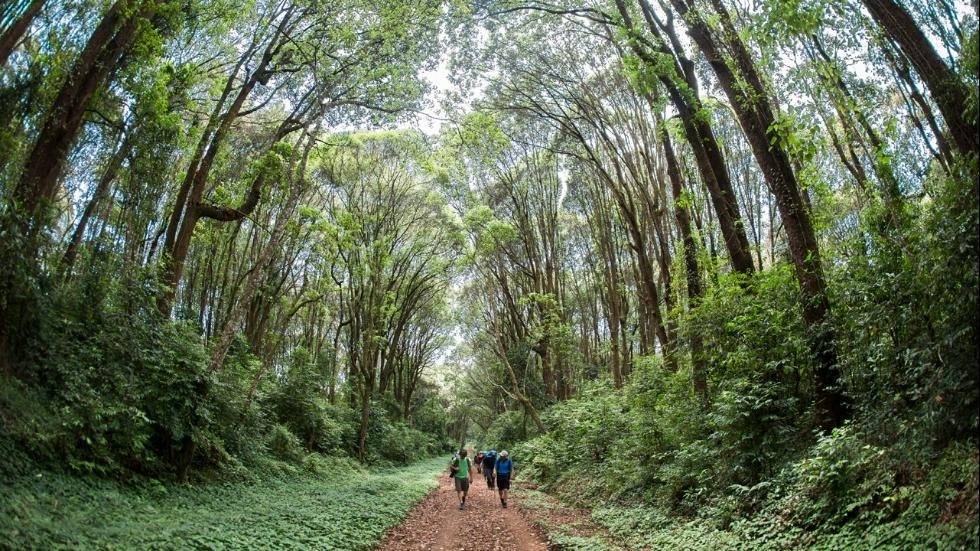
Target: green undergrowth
(801, 508)
(562, 533)
(327, 503)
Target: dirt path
(437, 524)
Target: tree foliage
(724, 256)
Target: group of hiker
(498, 469)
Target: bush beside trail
(750, 469)
(847, 491)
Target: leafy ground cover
(567, 527)
(328, 504)
(939, 512)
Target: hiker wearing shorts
(504, 467)
(462, 474)
(488, 460)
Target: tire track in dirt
(437, 524)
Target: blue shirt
(503, 466)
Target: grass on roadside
(335, 504)
(566, 529)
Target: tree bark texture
(736, 72)
(100, 58)
(16, 31)
(946, 89)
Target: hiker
(462, 475)
(488, 460)
(479, 462)
(504, 467)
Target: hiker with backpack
(460, 469)
(504, 468)
(479, 462)
(489, 458)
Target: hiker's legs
(460, 491)
(503, 483)
(462, 486)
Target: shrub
(297, 400)
(506, 430)
(29, 430)
(543, 458)
(396, 441)
(284, 445)
(123, 387)
(430, 415)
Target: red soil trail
(437, 524)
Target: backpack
(489, 458)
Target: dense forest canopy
(724, 253)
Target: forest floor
(531, 522)
(337, 505)
(437, 523)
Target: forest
(709, 269)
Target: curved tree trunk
(295, 180)
(12, 36)
(190, 208)
(102, 55)
(946, 89)
(680, 84)
(749, 99)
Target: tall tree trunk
(695, 289)
(16, 31)
(681, 87)
(296, 178)
(847, 107)
(749, 99)
(648, 281)
(500, 350)
(912, 96)
(190, 207)
(101, 191)
(36, 189)
(367, 386)
(34, 193)
(944, 85)
(611, 273)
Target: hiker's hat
(503, 453)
